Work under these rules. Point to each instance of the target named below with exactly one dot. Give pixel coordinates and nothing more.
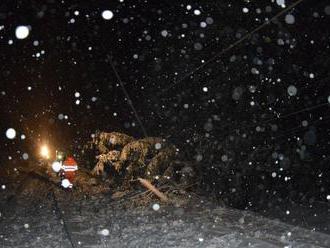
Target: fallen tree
(122, 159)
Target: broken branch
(153, 189)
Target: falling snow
(22, 32)
(25, 156)
(107, 14)
(280, 3)
(292, 90)
(11, 133)
(197, 12)
(289, 19)
(65, 183)
(156, 206)
(104, 232)
(245, 10)
(240, 88)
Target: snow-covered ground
(35, 219)
(314, 216)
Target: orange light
(44, 152)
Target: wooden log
(153, 189)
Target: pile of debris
(126, 163)
(131, 171)
(122, 159)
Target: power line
(130, 102)
(231, 46)
(62, 219)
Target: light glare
(44, 152)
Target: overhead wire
(129, 100)
(231, 46)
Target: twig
(152, 188)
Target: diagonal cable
(130, 102)
(231, 46)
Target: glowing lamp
(44, 152)
(59, 156)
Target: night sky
(236, 103)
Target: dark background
(238, 146)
